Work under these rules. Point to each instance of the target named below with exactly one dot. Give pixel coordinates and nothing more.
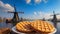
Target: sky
(33, 9)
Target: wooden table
(5, 30)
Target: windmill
(43, 19)
(54, 20)
(15, 18)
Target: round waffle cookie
(42, 26)
(24, 27)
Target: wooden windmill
(15, 18)
(54, 20)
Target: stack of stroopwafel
(23, 26)
(42, 27)
(39, 26)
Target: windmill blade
(57, 14)
(10, 12)
(21, 12)
(15, 8)
(51, 15)
(53, 12)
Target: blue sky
(32, 8)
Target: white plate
(14, 30)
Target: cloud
(45, 1)
(41, 15)
(35, 13)
(9, 7)
(28, 1)
(37, 1)
(5, 7)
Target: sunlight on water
(58, 26)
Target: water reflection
(57, 26)
(9, 25)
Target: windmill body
(15, 18)
(54, 20)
